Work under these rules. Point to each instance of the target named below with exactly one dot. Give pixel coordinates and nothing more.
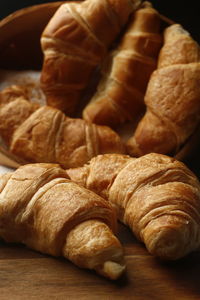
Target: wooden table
(25, 274)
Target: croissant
(45, 134)
(157, 196)
(74, 42)
(120, 95)
(172, 97)
(44, 210)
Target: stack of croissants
(78, 176)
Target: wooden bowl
(20, 36)
(20, 50)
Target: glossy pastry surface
(45, 134)
(126, 71)
(75, 42)
(157, 196)
(172, 97)
(41, 208)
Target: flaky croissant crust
(45, 134)
(172, 97)
(41, 208)
(157, 196)
(126, 71)
(74, 42)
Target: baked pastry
(28, 80)
(45, 134)
(74, 42)
(172, 97)
(157, 196)
(126, 72)
(44, 210)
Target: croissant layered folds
(172, 97)
(74, 42)
(157, 196)
(45, 134)
(126, 72)
(44, 210)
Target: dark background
(181, 11)
(184, 12)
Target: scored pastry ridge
(157, 196)
(41, 208)
(45, 134)
(67, 69)
(173, 109)
(126, 71)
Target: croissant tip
(136, 3)
(112, 270)
(170, 243)
(146, 4)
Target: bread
(157, 196)
(172, 97)
(74, 43)
(45, 134)
(44, 210)
(28, 81)
(126, 72)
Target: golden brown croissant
(157, 196)
(44, 210)
(45, 134)
(172, 97)
(74, 42)
(120, 95)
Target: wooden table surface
(26, 274)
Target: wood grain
(26, 274)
